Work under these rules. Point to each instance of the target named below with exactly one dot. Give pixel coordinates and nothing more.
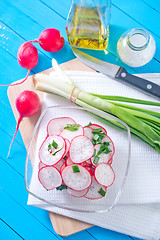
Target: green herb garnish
(103, 149)
(72, 127)
(75, 168)
(53, 154)
(96, 159)
(89, 124)
(54, 145)
(98, 135)
(65, 157)
(49, 147)
(62, 187)
(102, 192)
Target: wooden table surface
(23, 20)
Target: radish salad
(76, 158)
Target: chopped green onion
(49, 147)
(98, 136)
(89, 124)
(54, 144)
(72, 127)
(65, 157)
(102, 192)
(75, 168)
(104, 148)
(96, 159)
(62, 187)
(53, 154)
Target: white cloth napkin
(138, 210)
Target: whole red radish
(27, 104)
(51, 40)
(27, 58)
(27, 55)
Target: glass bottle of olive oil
(88, 24)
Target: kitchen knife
(118, 73)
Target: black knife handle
(140, 83)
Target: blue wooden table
(20, 21)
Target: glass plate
(62, 199)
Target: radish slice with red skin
(49, 177)
(88, 132)
(41, 164)
(67, 134)
(96, 126)
(62, 167)
(69, 161)
(59, 164)
(56, 125)
(77, 193)
(103, 157)
(67, 146)
(46, 156)
(76, 181)
(81, 149)
(90, 170)
(104, 174)
(94, 189)
(87, 163)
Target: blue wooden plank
(153, 4)
(7, 233)
(33, 29)
(100, 233)
(22, 221)
(141, 14)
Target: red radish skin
(77, 193)
(104, 174)
(62, 167)
(41, 164)
(51, 40)
(27, 104)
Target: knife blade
(118, 73)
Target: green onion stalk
(143, 123)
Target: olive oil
(86, 28)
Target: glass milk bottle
(88, 24)
(136, 47)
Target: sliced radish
(87, 163)
(52, 156)
(69, 161)
(56, 125)
(67, 146)
(77, 193)
(88, 132)
(49, 177)
(90, 170)
(67, 134)
(59, 164)
(76, 181)
(81, 149)
(104, 174)
(41, 164)
(96, 126)
(62, 167)
(96, 191)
